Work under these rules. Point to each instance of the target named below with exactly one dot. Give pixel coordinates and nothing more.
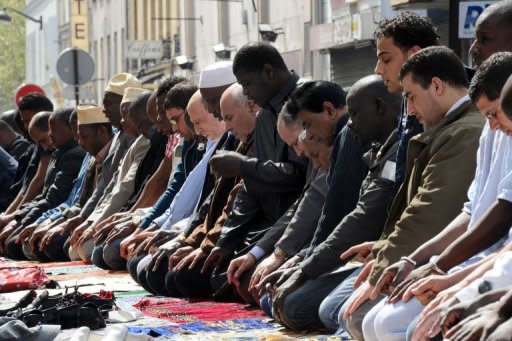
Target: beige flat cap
(118, 83)
(90, 114)
(130, 94)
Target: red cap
(25, 89)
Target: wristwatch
(136, 220)
(279, 253)
(484, 287)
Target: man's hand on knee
(417, 274)
(360, 296)
(269, 264)
(238, 266)
(292, 283)
(391, 277)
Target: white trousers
(389, 322)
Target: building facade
(319, 39)
(42, 46)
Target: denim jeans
(300, 309)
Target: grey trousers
(109, 257)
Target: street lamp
(4, 17)
(268, 33)
(222, 51)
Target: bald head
(373, 109)
(212, 97)
(493, 31)
(501, 11)
(205, 124)
(289, 131)
(370, 85)
(238, 113)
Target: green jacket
(441, 164)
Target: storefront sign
(469, 11)
(144, 49)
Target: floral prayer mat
(179, 310)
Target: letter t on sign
(79, 6)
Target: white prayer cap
(90, 114)
(130, 94)
(118, 83)
(218, 74)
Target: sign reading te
(80, 24)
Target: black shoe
(36, 317)
(76, 316)
(91, 317)
(22, 303)
(103, 300)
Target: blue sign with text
(469, 11)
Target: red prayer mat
(24, 264)
(186, 311)
(14, 278)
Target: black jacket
(62, 170)
(273, 179)
(345, 177)
(366, 221)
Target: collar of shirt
(100, 157)
(342, 121)
(457, 104)
(277, 101)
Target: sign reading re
(469, 11)
(80, 24)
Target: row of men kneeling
(293, 195)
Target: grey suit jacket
(295, 228)
(120, 144)
(367, 220)
(117, 194)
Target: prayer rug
(186, 311)
(13, 278)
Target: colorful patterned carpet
(161, 317)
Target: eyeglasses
(491, 115)
(304, 137)
(175, 119)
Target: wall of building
(192, 28)
(42, 47)
(235, 23)
(108, 32)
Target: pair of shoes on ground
(69, 310)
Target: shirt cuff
(160, 221)
(257, 252)
(506, 195)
